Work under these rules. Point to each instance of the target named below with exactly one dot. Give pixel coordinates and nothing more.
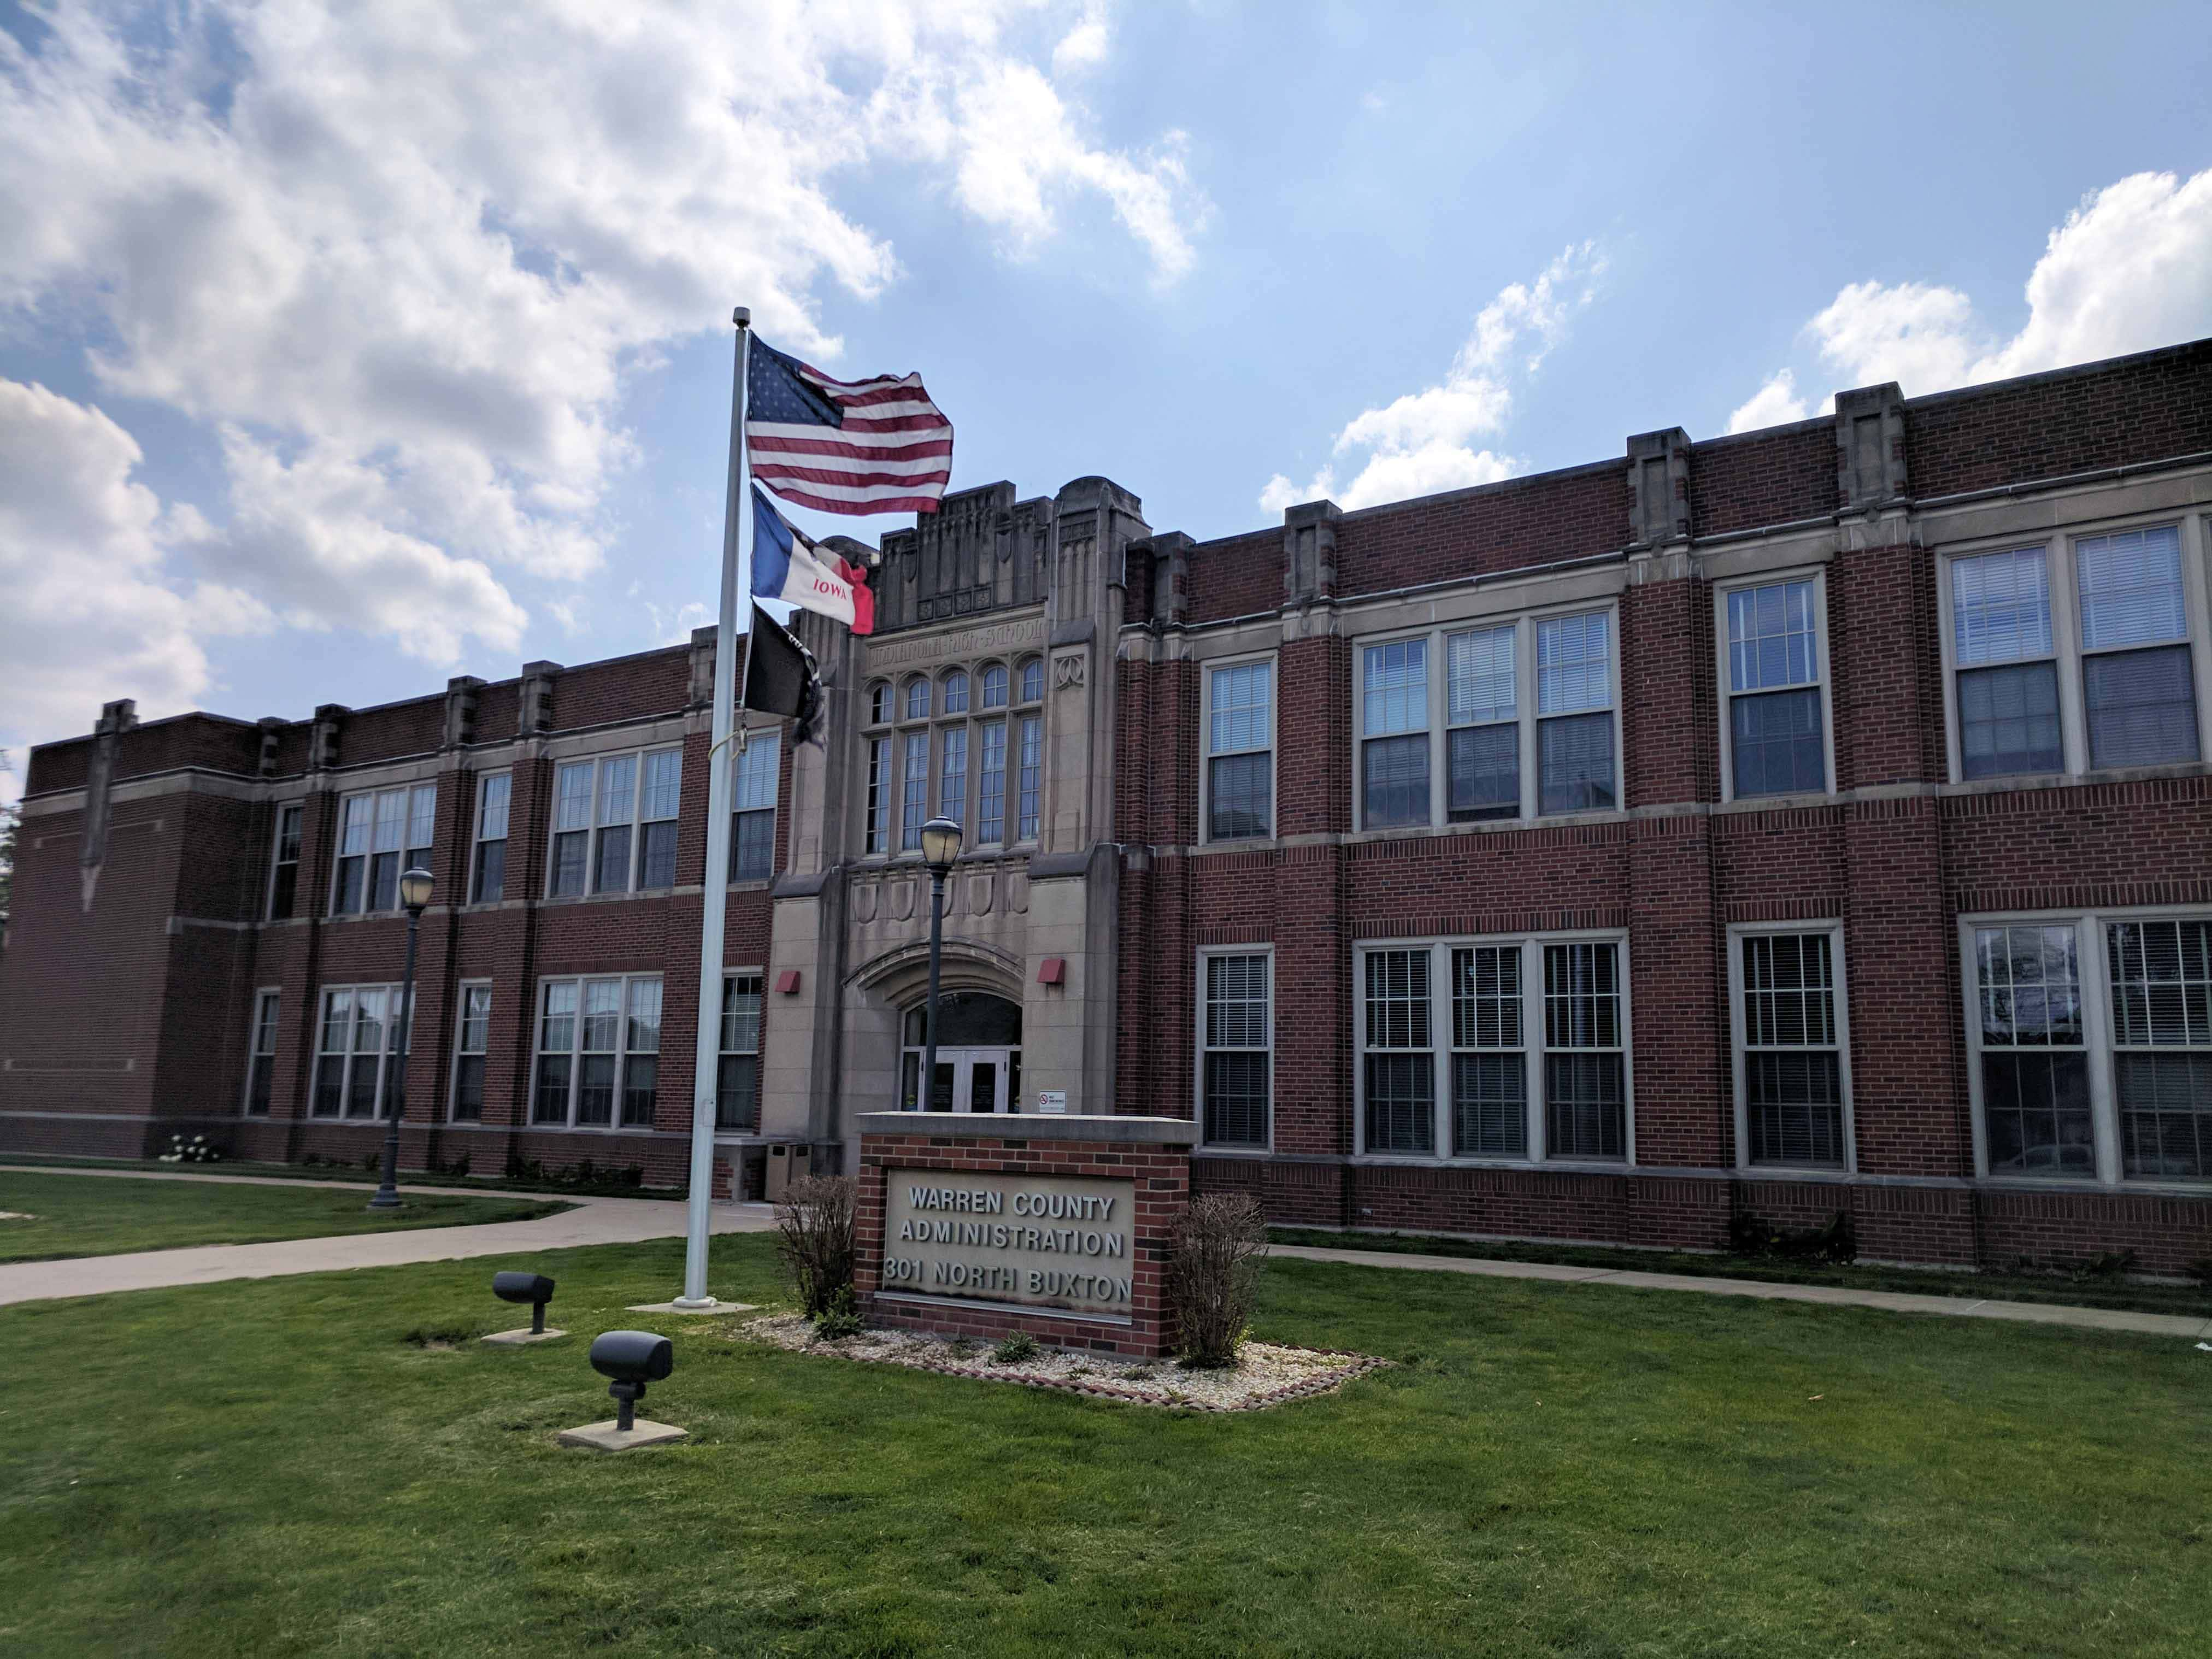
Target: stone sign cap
(1020, 1125)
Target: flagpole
(737, 539)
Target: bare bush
(814, 1237)
(1214, 1260)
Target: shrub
(197, 1149)
(814, 1237)
(1213, 1275)
(841, 1319)
(1836, 1241)
(1014, 1348)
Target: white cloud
(89, 612)
(2130, 270)
(1775, 404)
(1421, 444)
(402, 258)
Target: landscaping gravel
(1266, 1373)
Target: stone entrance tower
(986, 693)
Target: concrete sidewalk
(1838, 1296)
(594, 1221)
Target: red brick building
(1806, 822)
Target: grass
(329, 1465)
(2084, 1289)
(608, 1183)
(77, 1215)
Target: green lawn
(326, 1464)
(74, 1215)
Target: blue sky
(341, 353)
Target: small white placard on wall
(1052, 1100)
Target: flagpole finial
(742, 317)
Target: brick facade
(126, 996)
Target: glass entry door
(968, 1081)
(979, 1056)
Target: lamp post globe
(415, 889)
(940, 846)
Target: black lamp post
(414, 893)
(940, 845)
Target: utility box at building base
(979, 1224)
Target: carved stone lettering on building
(1031, 1241)
(951, 647)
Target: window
(469, 1047)
(2037, 689)
(879, 704)
(261, 1054)
(914, 784)
(2139, 697)
(994, 686)
(1393, 703)
(1775, 728)
(2161, 991)
(1792, 1074)
(991, 793)
(598, 1052)
(1400, 1071)
(614, 822)
(1574, 704)
(1482, 752)
(952, 774)
(878, 827)
(358, 1059)
(2008, 684)
(284, 863)
(2036, 1116)
(917, 700)
(1458, 1058)
(1033, 680)
(380, 834)
(753, 827)
(1235, 1048)
(1521, 722)
(1030, 776)
(956, 692)
(737, 1077)
(1240, 780)
(488, 877)
(1490, 1074)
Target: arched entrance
(979, 1054)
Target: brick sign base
(992, 1190)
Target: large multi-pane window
(752, 829)
(1498, 720)
(614, 822)
(1240, 760)
(736, 1076)
(598, 1052)
(488, 867)
(964, 754)
(1775, 723)
(2075, 654)
(284, 861)
(1494, 1048)
(261, 1054)
(358, 1061)
(471, 1044)
(1792, 1069)
(1235, 1047)
(382, 833)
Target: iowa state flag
(788, 565)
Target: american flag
(876, 446)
